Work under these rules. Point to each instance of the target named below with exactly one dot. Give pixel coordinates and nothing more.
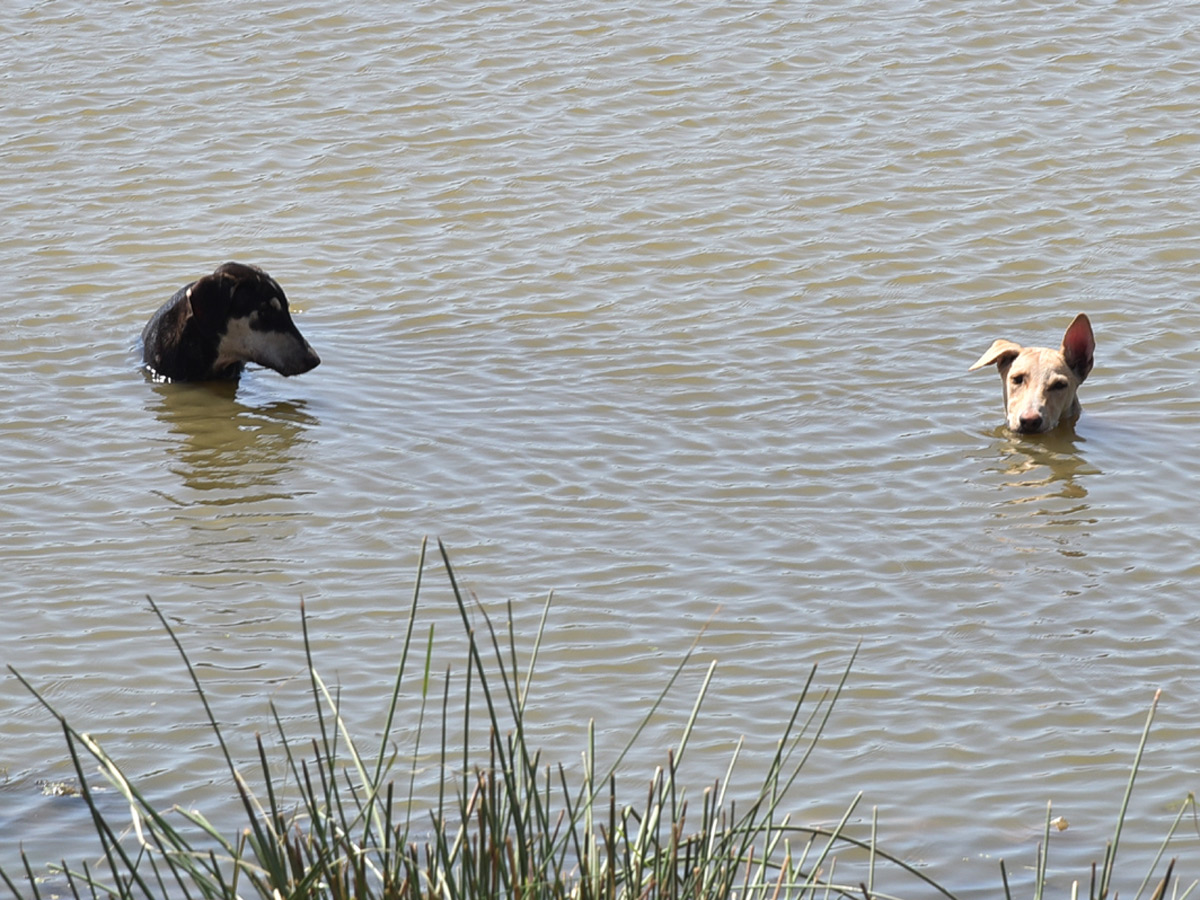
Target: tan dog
(1040, 383)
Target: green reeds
(335, 818)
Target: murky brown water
(668, 311)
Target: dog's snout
(1030, 423)
(306, 361)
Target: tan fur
(1040, 384)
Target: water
(667, 311)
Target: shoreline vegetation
(329, 816)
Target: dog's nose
(1031, 422)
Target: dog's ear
(1001, 353)
(1078, 346)
(209, 298)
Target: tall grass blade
(1110, 861)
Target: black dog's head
(214, 326)
(252, 310)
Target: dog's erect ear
(1001, 353)
(1078, 346)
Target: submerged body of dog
(1040, 384)
(212, 327)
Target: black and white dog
(212, 327)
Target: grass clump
(341, 821)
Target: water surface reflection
(1053, 463)
(225, 450)
(235, 464)
(1044, 481)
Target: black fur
(181, 342)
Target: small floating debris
(58, 788)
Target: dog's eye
(1057, 385)
(1018, 379)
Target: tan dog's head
(1040, 383)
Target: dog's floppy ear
(1078, 346)
(1001, 352)
(209, 298)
